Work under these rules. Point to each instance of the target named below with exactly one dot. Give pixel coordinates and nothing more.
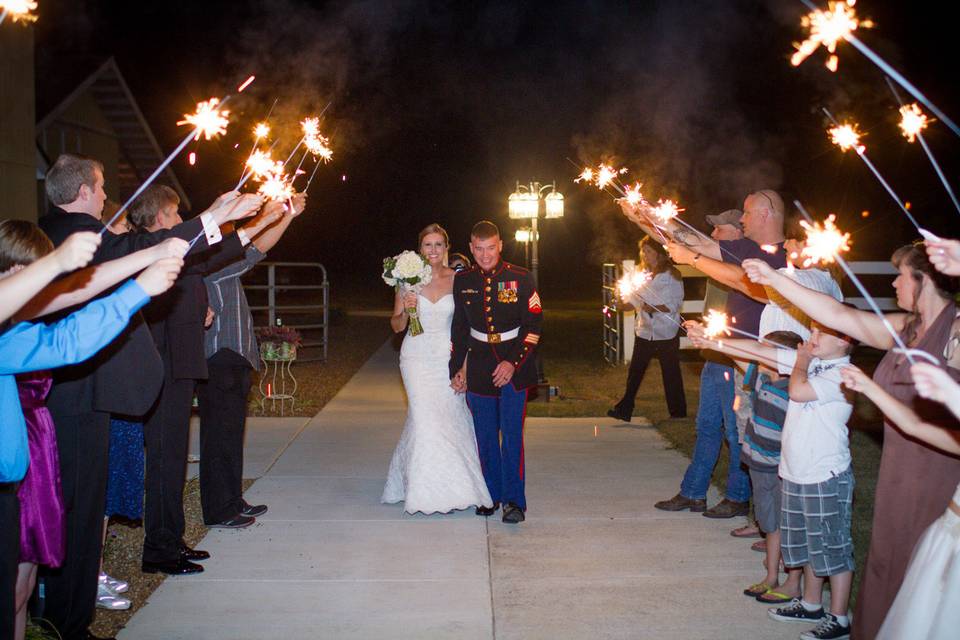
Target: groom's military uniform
(497, 318)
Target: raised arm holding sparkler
(944, 255)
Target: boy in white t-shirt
(817, 483)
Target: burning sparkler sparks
(828, 28)
(276, 185)
(666, 210)
(633, 195)
(262, 130)
(847, 136)
(18, 10)
(208, 119)
(825, 242)
(912, 121)
(715, 324)
(602, 176)
(260, 163)
(319, 146)
(632, 282)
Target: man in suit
(177, 321)
(125, 378)
(232, 355)
(497, 317)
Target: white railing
(694, 306)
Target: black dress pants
(70, 592)
(9, 554)
(166, 436)
(223, 415)
(668, 353)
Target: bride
(435, 467)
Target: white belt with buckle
(495, 338)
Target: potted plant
(278, 343)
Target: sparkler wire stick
(3, 16)
(863, 156)
(153, 176)
(893, 73)
(863, 291)
(926, 149)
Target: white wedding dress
(435, 468)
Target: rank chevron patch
(534, 303)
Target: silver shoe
(107, 599)
(117, 586)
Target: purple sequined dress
(42, 538)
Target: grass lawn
(573, 360)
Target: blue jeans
(715, 420)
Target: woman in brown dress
(915, 481)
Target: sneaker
(795, 612)
(238, 521)
(252, 510)
(828, 629)
(117, 586)
(107, 599)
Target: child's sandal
(756, 590)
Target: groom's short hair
(484, 230)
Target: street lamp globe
(553, 203)
(523, 204)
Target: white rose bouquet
(408, 271)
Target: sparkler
(210, 119)
(716, 325)
(863, 290)
(825, 242)
(839, 23)
(246, 83)
(634, 284)
(847, 137)
(276, 185)
(18, 10)
(912, 123)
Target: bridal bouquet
(408, 271)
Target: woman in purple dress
(79, 336)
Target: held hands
(169, 248)
(160, 276)
(76, 251)
(945, 256)
(459, 381)
(299, 203)
(758, 271)
(503, 373)
(680, 253)
(855, 379)
(695, 334)
(934, 383)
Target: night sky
(438, 108)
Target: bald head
(763, 215)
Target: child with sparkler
(817, 479)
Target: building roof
(140, 154)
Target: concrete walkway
(593, 560)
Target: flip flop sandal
(746, 532)
(759, 546)
(756, 590)
(773, 597)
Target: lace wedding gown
(435, 467)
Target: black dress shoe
(192, 554)
(179, 567)
(616, 415)
(513, 514)
(252, 510)
(487, 511)
(238, 521)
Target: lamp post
(524, 235)
(524, 204)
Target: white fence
(694, 306)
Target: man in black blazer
(124, 378)
(176, 320)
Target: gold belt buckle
(493, 338)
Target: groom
(496, 319)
